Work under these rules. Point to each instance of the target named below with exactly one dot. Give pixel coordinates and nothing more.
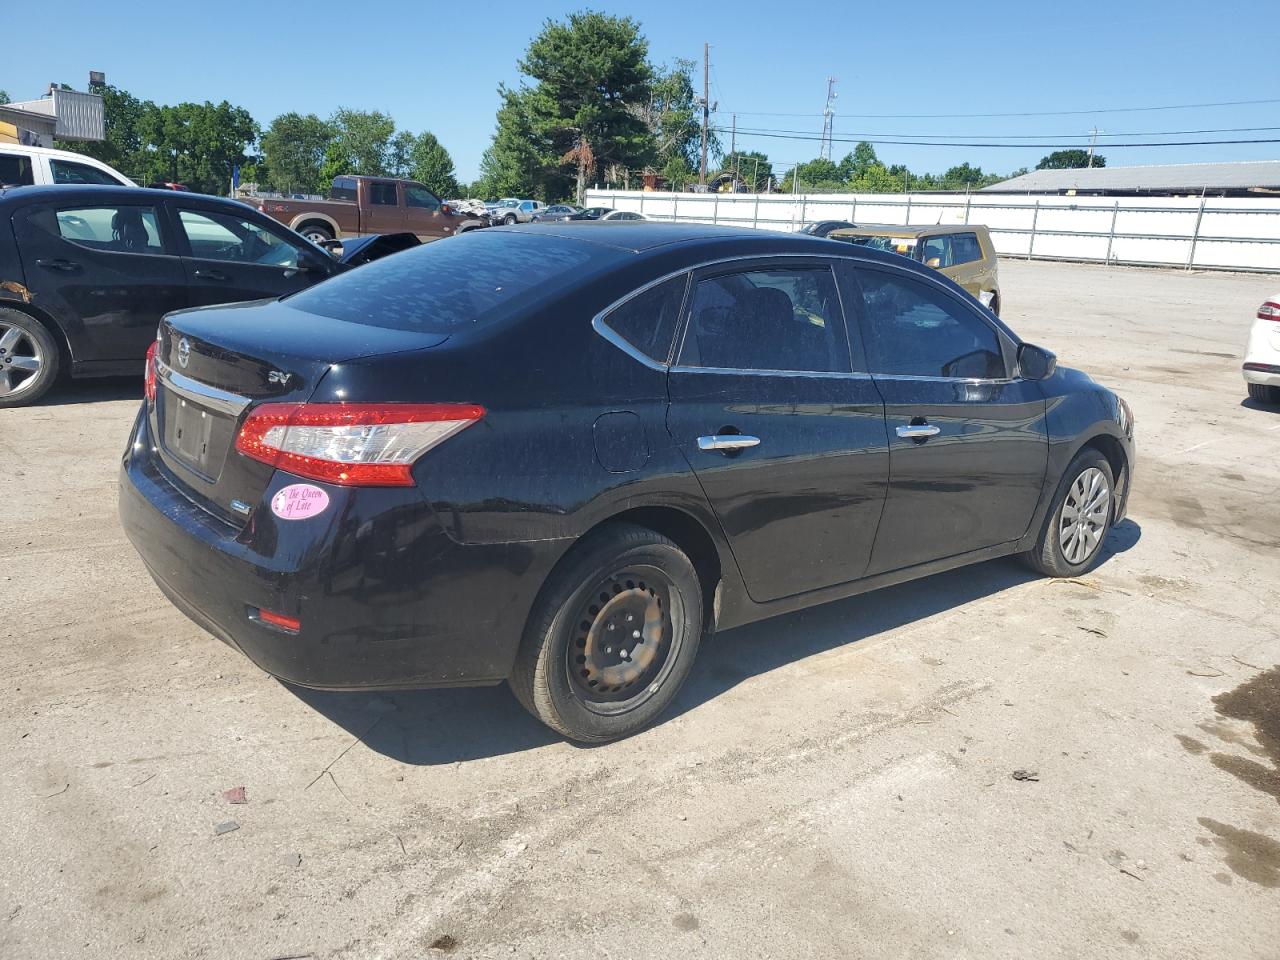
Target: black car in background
(86, 273)
(823, 228)
(561, 455)
(557, 211)
(590, 213)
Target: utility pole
(1093, 143)
(828, 116)
(706, 110)
(733, 151)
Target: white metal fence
(1208, 234)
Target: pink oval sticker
(298, 501)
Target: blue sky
(437, 66)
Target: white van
(24, 166)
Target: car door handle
(211, 275)
(66, 266)
(727, 441)
(918, 431)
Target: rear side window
(67, 171)
(965, 248)
(15, 170)
(477, 279)
(122, 228)
(785, 319)
(914, 329)
(648, 321)
(344, 188)
(382, 194)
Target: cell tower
(828, 115)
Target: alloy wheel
(20, 359)
(1083, 519)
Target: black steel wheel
(612, 637)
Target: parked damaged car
(560, 455)
(86, 273)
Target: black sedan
(86, 273)
(560, 456)
(823, 228)
(590, 213)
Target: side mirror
(933, 262)
(446, 209)
(1035, 363)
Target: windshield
(458, 283)
(903, 245)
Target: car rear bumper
(1262, 372)
(385, 598)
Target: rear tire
(1079, 519)
(29, 359)
(612, 637)
(316, 232)
(1264, 393)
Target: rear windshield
(460, 282)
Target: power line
(1042, 113)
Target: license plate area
(197, 437)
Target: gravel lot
(834, 783)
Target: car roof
(703, 242)
(914, 230)
(47, 152)
(94, 193)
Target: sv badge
(279, 376)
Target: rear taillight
(149, 373)
(1269, 311)
(353, 444)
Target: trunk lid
(214, 364)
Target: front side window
(219, 236)
(648, 321)
(111, 229)
(421, 197)
(914, 329)
(936, 252)
(15, 170)
(68, 171)
(784, 319)
(382, 194)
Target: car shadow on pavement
(1251, 404)
(92, 391)
(432, 727)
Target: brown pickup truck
(358, 206)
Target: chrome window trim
(744, 372)
(221, 400)
(600, 325)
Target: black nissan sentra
(561, 455)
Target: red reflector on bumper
(291, 624)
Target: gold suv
(962, 252)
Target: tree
(1069, 160)
(195, 143)
(672, 117)
(361, 144)
(751, 167)
(816, 176)
(4, 96)
(588, 73)
(857, 163)
(399, 163)
(964, 175)
(293, 150)
(431, 165)
(518, 160)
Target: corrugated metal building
(1241, 179)
(62, 115)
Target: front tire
(509, 220)
(1070, 541)
(1264, 393)
(28, 359)
(316, 233)
(612, 637)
